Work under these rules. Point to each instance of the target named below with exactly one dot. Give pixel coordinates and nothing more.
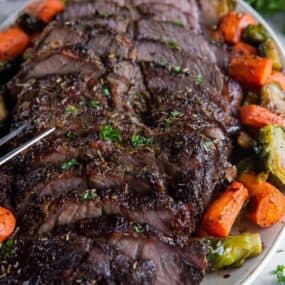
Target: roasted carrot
(251, 70)
(7, 224)
(233, 25)
(222, 213)
(258, 117)
(277, 77)
(267, 203)
(244, 49)
(13, 42)
(45, 10)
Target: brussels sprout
(272, 142)
(3, 110)
(273, 98)
(269, 49)
(255, 34)
(234, 250)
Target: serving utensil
(22, 147)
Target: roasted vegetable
(273, 98)
(246, 165)
(245, 141)
(223, 212)
(243, 49)
(272, 141)
(277, 77)
(257, 117)
(214, 10)
(267, 203)
(251, 98)
(233, 25)
(30, 24)
(269, 49)
(250, 70)
(255, 34)
(3, 110)
(7, 224)
(234, 250)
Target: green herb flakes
(6, 248)
(109, 133)
(177, 23)
(138, 140)
(71, 109)
(139, 229)
(89, 195)
(199, 79)
(69, 164)
(177, 69)
(175, 114)
(106, 91)
(172, 45)
(71, 135)
(280, 274)
(207, 145)
(104, 14)
(94, 104)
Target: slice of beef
(175, 37)
(168, 13)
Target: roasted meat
(144, 117)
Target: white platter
(272, 237)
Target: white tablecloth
(278, 22)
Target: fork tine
(24, 146)
(13, 134)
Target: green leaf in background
(268, 6)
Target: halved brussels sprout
(272, 142)
(234, 250)
(269, 49)
(255, 34)
(273, 98)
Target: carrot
(7, 224)
(45, 10)
(13, 42)
(251, 70)
(222, 213)
(267, 203)
(258, 117)
(244, 49)
(277, 77)
(233, 25)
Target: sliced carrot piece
(233, 25)
(45, 10)
(7, 224)
(277, 77)
(13, 42)
(244, 49)
(223, 212)
(251, 70)
(267, 203)
(258, 117)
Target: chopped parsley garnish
(207, 145)
(280, 274)
(138, 140)
(82, 103)
(199, 79)
(6, 248)
(177, 69)
(94, 104)
(104, 14)
(177, 23)
(106, 91)
(89, 195)
(139, 229)
(71, 109)
(175, 114)
(172, 44)
(109, 133)
(69, 164)
(71, 135)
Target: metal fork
(22, 147)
